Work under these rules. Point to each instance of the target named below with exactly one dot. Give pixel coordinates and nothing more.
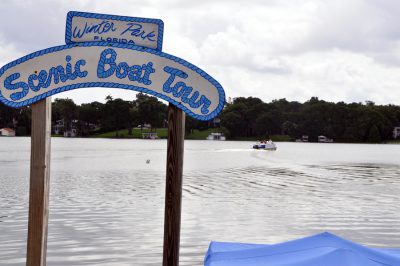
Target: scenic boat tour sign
(91, 27)
(111, 51)
(114, 52)
(115, 65)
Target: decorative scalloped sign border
(92, 27)
(115, 65)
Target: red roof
(8, 129)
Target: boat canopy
(322, 249)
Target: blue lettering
(136, 30)
(58, 74)
(124, 67)
(44, 78)
(19, 85)
(109, 39)
(180, 89)
(78, 72)
(134, 73)
(148, 70)
(107, 66)
(99, 28)
(107, 57)
(30, 82)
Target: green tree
(117, 114)
(373, 135)
(151, 110)
(66, 110)
(90, 117)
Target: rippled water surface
(107, 203)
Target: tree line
(244, 118)
(353, 122)
(94, 117)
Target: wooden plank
(39, 183)
(173, 187)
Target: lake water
(107, 203)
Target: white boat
(324, 139)
(265, 145)
(216, 136)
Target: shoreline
(394, 142)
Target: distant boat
(324, 139)
(149, 135)
(303, 138)
(265, 145)
(216, 136)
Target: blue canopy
(323, 249)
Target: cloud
(344, 50)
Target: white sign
(91, 27)
(114, 65)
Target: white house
(60, 128)
(8, 132)
(70, 133)
(396, 132)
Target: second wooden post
(39, 183)
(173, 186)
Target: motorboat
(265, 145)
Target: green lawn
(162, 133)
(196, 134)
(393, 142)
(201, 135)
(281, 138)
(136, 133)
(276, 138)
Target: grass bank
(200, 135)
(161, 132)
(276, 138)
(194, 135)
(136, 134)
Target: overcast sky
(341, 50)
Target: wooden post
(39, 183)
(173, 186)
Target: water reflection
(107, 203)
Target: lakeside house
(396, 132)
(60, 128)
(70, 133)
(7, 132)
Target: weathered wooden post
(39, 183)
(173, 186)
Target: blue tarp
(319, 250)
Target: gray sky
(341, 50)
